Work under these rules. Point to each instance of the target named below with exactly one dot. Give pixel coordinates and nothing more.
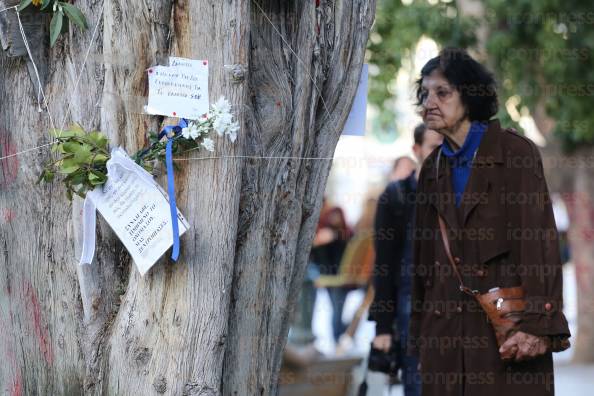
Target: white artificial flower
(222, 120)
(203, 129)
(232, 131)
(221, 123)
(191, 132)
(186, 132)
(221, 106)
(234, 126)
(208, 144)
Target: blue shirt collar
(471, 144)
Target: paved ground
(570, 380)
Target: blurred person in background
(332, 236)
(356, 268)
(391, 307)
(482, 193)
(403, 168)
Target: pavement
(570, 380)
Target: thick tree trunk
(581, 238)
(571, 175)
(216, 322)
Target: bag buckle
(499, 303)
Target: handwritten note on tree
(137, 210)
(180, 89)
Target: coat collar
(489, 153)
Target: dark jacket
(393, 251)
(503, 235)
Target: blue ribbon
(176, 129)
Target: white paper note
(137, 209)
(355, 123)
(179, 90)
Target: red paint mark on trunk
(17, 386)
(8, 215)
(9, 167)
(40, 331)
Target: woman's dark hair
(475, 83)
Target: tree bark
(570, 174)
(215, 322)
(581, 238)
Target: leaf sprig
(59, 9)
(81, 158)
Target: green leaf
(24, 4)
(49, 176)
(71, 147)
(68, 166)
(97, 178)
(76, 178)
(100, 159)
(98, 139)
(45, 3)
(75, 15)
(56, 27)
(83, 154)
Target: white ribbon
(89, 214)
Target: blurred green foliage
(396, 32)
(542, 51)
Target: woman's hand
(383, 342)
(523, 346)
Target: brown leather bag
(504, 306)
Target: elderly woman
(484, 227)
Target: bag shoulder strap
(446, 245)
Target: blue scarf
(461, 160)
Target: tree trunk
(581, 238)
(216, 322)
(570, 175)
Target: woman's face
(442, 107)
